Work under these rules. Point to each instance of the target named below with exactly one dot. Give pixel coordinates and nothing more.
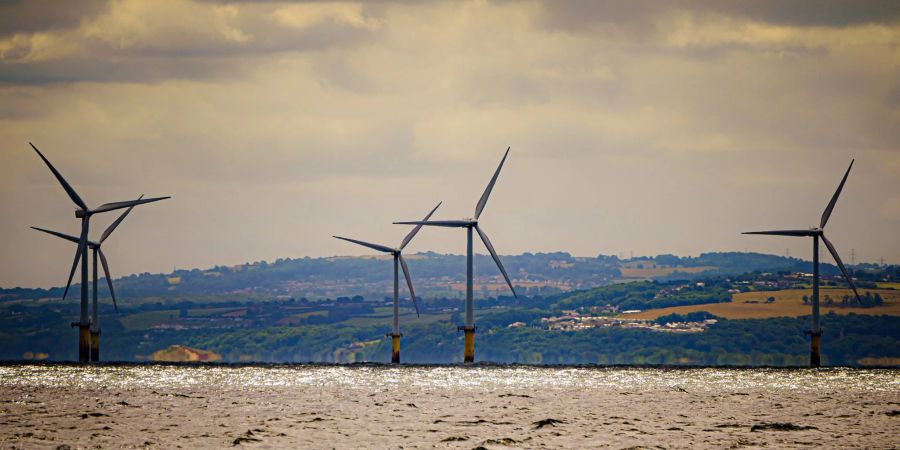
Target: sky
(643, 126)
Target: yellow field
(653, 272)
(788, 303)
(889, 285)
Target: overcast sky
(645, 126)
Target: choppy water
(428, 406)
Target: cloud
(275, 125)
(165, 27)
(827, 13)
(308, 15)
(30, 16)
(139, 41)
(638, 18)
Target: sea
(60, 406)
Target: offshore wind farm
(618, 302)
(532, 388)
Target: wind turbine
(84, 213)
(398, 257)
(816, 233)
(469, 224)
(95, 246)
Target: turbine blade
(115, 224)
(783, 232)
(417, 228)
(837, 193)
(487, 191)
(487, 243)
(439, 223)
(379, 247)
(840, 264)
(69, 190)
(82, 241)
(409, 283)
(112, 293)
(58, 234)
(119, 205)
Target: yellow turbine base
(395, 348)
(815, 345)
(84, 343)
(469, 347)
(95, 346)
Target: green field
(144, 320)
(209, 312)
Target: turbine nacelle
(462, 223)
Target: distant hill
(761, 318)
(435, 275)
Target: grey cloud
(637, 16)
(154, 64)
(831, 13)
(581, 14)
(103, 70)
(784, 51)
(267, 37)
(179, 54)
(27, 16)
